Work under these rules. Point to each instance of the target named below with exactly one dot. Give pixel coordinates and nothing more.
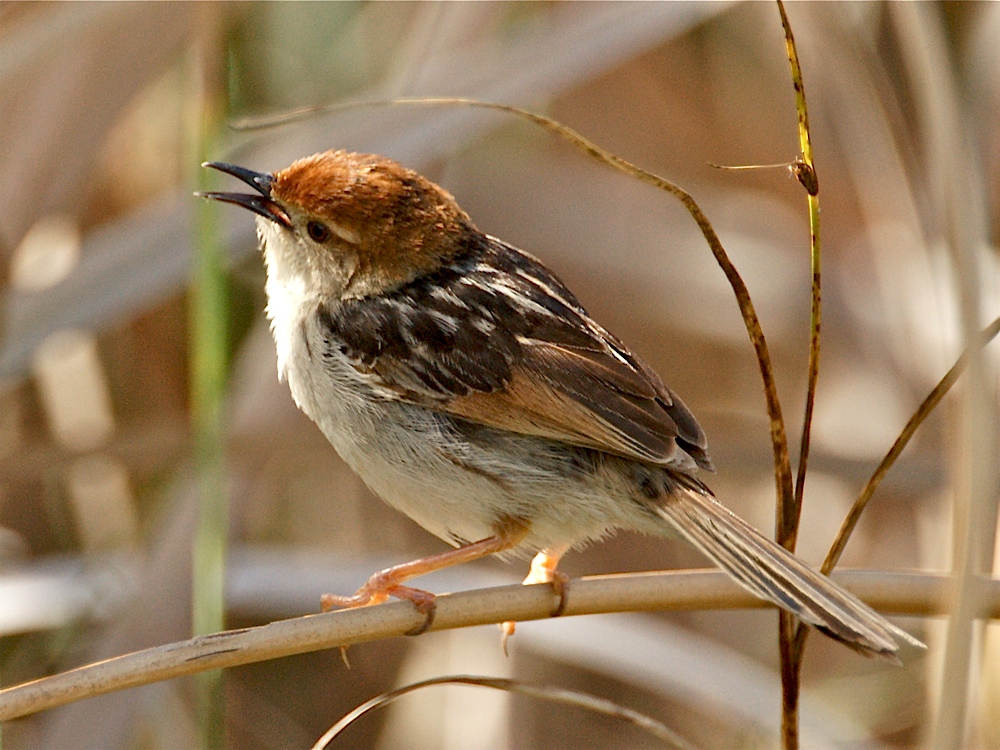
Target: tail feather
(774, 574)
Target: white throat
(291, 295)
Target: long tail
(774, 574)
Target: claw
(425, 625)
(560, 587)
(506, 631)
(543, 570)
(424, 601)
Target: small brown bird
(468, 387)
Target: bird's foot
(378, 589)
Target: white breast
(288, 299)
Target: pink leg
(389, 582)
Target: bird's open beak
(261, 204)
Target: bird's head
(349, 225)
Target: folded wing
(497, 339)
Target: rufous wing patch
(530, 406)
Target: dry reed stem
(900, 593)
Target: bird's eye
(318, 231)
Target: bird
(467, 386)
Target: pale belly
(458, 480)
(463, 491)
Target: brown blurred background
(99, 111)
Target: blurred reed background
(98, 109)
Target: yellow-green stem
(208, 311)
(789, 641)
(209, 344)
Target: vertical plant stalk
(209, 341)
(805, 170)
(788, 515)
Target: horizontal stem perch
(901, 593)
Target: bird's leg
(543, 570)
(389, 582)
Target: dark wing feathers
(496, 338)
